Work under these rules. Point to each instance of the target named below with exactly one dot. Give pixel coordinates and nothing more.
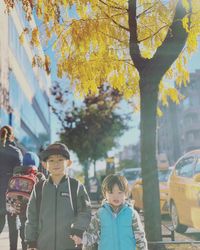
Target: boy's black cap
(56, 148)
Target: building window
(190, 137)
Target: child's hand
(77, 240)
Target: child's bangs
(118, 182)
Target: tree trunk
(86, 168)
(95, 171)
(151, 194)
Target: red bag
(18, 192)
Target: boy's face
(116, 197)
(56, 164)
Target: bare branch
(152, 35)
(57, 38)
(115, 38)
(146, 11)
(113, 6)
(115, 22)
(119, 14)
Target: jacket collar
(109, 208)
(64, 178)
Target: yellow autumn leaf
(185, 22)
(35, 37)
(21, 38)
(159, 112)
(47, 64)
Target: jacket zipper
(115, 221)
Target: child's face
(56, 164)
(117, 197)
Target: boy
(51, 225)
(116, 225)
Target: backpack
(18, 192)
(74, 187)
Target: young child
(61, 214)
(116, 225)
(30, 167)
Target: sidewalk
(4, 240)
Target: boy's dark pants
(22, 231)
(2, 222)
(3, 188)
(13, 231)
(75, 249)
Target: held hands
(77, 240)
(31, 248)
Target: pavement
(191, 235)
(4, 237)
(4, 240)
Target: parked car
(137, 191)
(131, 174)
(184, 192)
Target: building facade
(24, 90)
(179, 127)
(130, 152)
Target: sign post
(110, 165)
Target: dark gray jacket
(10, 157)
(53, 229)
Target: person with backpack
(58, 208)
(19, 189)
(10, 157)
(116, 225)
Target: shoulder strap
(74, 188)
(38, 192)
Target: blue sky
(195, 61)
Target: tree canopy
(91, 129)
(91, 39)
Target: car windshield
(163, 175)
(131, 175)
